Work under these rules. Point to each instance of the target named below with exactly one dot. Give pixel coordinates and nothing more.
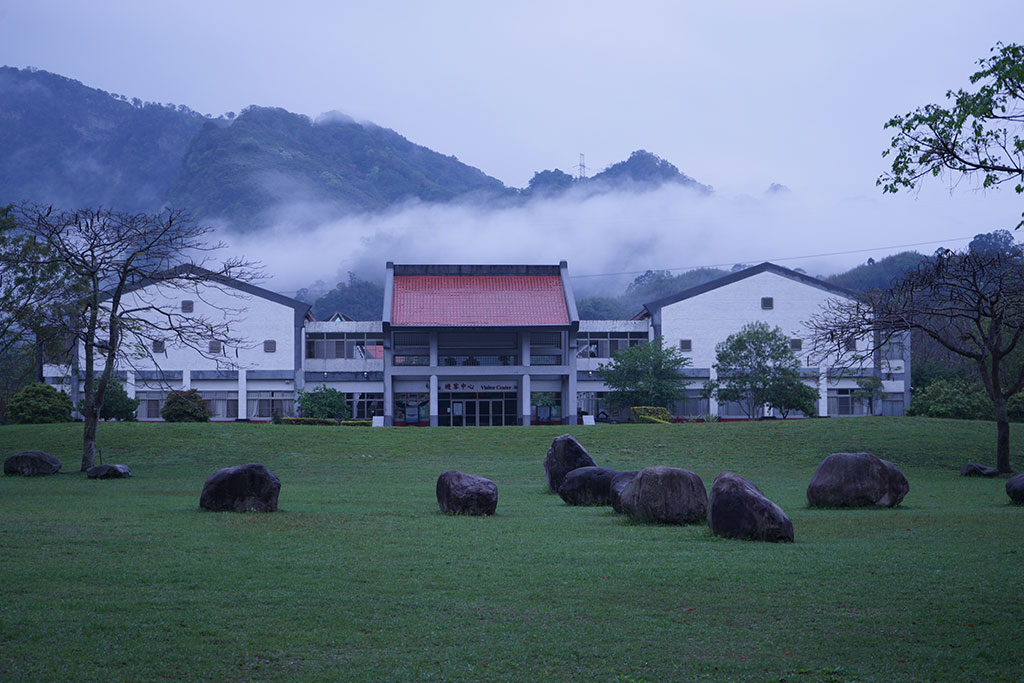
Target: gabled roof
(189, 272)
(478, 296)
(651, 307)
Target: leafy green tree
(185, 406)
(645, 375)
(789, 393)
(756, 367)
(29, 281)
(117, 405)
(960, 399)
(979, 135)
(40, 404)
(869, 389)
(323, 402)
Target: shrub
(185, 406)
(323, 403)
(651, 415)
(357, 423)
(116, 404)
(40, 404)
(956, 398)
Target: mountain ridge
(72, 145)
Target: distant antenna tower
(582, 169)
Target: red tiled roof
(478, 300)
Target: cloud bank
(608, 238)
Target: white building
(697, 319)
(475, 345)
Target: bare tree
(971, 303)
(116, 265)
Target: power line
(780, 258)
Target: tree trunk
(1002, 437)
(89, 441)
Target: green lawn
(359, 576)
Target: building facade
(479, 345)
(697, 319)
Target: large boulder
(1015, 488)
(855, 480)
(973, 469)
(619, 482)
(665, 495)
(588, 486)
(246, 488)
(31, 463)
(108, 472)
(565, 455)
(466, 494)
(738, 509)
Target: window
(270, 346)
(223, 405)
(261, 405)
(159, 346)
(850, 344)
(796, 344)
(686, 345)
(767, 303)
(215, 346)
(187, 306)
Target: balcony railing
(503, 359)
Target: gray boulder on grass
(108, 472)
(31, 463)
(856, 480)
(738, 509)
(973, 469)
(246, 488)
(1015, 488)
(588, 486)
(466, 494)
(565, 455)
(619, 482)
(665, 495)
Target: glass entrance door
(477, 409)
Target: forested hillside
(271, 156)
(74, 146)
(67, 144)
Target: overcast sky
(738, 95)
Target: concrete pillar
(712, 402)
(433, 354)
(186, 379)
(433, 389)
(243, 395)
(129, 384)
(569, 405)
(524, 347)
(389, 399)
(524, 401)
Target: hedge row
(325, 422)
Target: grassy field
(359, 577)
